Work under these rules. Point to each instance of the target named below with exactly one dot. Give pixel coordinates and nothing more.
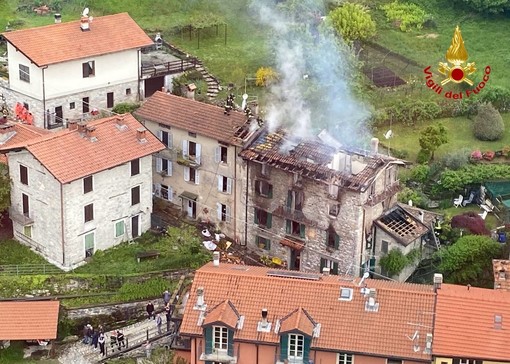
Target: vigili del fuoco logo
(456, 70)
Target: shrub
(406, 14)
(352, 22)
(393, 262)
(455, 181)
(456, 160)
(408, 112)
(420, 173)
(489, 155)
(498, 96)
(472, 222)
(265, 76)
(125, 107)
(418, 198)
(487, 6)
(488, 123)
(476, 155)
(423, 156)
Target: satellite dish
(388, 134)
(243, 105)
(85, 12)
(366, 275)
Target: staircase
(213, 85)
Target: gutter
(139, 71)
(62, 222)
(44, 97)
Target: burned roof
(312, 158)
(403, 226)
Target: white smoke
(313, 91)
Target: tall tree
(432, 137)
(352, 22)
(469, 260)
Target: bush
(472, 222)
(498, 96)
(476, 156)
(125, 107)
(193, 76)
(420, 173)
(488, 123)
(418, 198)
(352, 22)
(408, 112)
(423, 156)
(455, 181)
(406, 14)
(456, 160)
(393, 262)
(489, 155)
(265, 76)
(487, 6)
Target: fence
(29, 269)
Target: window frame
(93, 244)
(115, 228)
(23, 174)
(88, 211)
(85, 179)
(293, 350)
(135, 195)
(332, 239)
(261, 191)
(135, 167)
(24, 73)
(27, 231)
(88, 69)
(25, 200)
(262, 240)
(344, 358)
(110, 100)
(220, 338)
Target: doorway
(135, 231)
(295, 259)
(59, 114)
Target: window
(87, 184)
(223, 212)
(191, 150)
(191, 175)
(109, 100)
(295, 228)
(393, 361)
(295, 200)
(163, 191)
(24, 73)
(384, 247)
(193, 135)
(263, 243)
(89, 212)
(296, 346)
(225, 184)
(334, 210)
(344, 358)
(221, 154)
(85, 105)
(220, 337)
(119, 228)
(262, 218)
(26, 205)
(135, 167)
(164, 166)
(166, 138)
(72, 105)
(346, 295)
(27, 231)
(128, 91)
(135, 195)
(333, 240)
(23, 174)
(89, 245)
(326, 263)
(264, 169)
(264, 189)
(88, 69)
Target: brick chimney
(140, 135)
(120, 123)
(81, 127)
(91, 133)
(72, 125)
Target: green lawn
(16, 253)
(459, 132)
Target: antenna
(85, 12)
(365, 276)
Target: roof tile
(18, 134)
(28, 320)
(224, 312)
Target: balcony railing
(219, 355)
(19, 217)
(168, 67)
(53, 121)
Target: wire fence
(28, 269)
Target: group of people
(157, 317)
(97, 337)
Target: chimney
(81, 127)
(72, 125)
(90, 133)
(163, 89)
(200, 297)
(140, 135)
(216, 259)
(325, 271)
(264, 316)
(263, 325)
(58, 18)
(375, 145)
(84, 23)
(120, 123)
(438, 280)
(190, 91)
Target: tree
(469, 261)
(394, 262)
(488, 123)
(487, 6)
(352, 22)
(5, 188)
(433, 137)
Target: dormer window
(220, 337)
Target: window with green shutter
(333, 240)
(263, 243)
(119, 228)
(306, 349)
(269, 220)
(289, 200)
(208, 335)
(284, 347)
(288, 224)
(230, 344)
(302, 231)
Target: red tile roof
(69, 156)
(224, 312)
(66, 41)
(194, 116)
(465, 323)
(28, 320)
(345, 325)
(22, 133)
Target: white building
(65, 71)
(199, 170)
(82, 189)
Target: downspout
(195, 356)
(246, 206)
(62, 223)
(139, 71)
(363, 242)
(44, 97)
(235, 192)
(257, 356)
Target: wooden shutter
(217, 154)
(185, 148)
(186, 174)
(85, 69)
(170, 193)
(197, 177)
(302, 230)
(220, 183)
(227, 218)
(230, 346)
(198, 153)
(269, 223)
(229, 185)
(307, 341)
(208, 335)
(289, 199)
(170, 168)
(337, 241)
(170, 140)
(270, 194)
(323, 264)
(335, 268)
(157, 189)
(159, 164)
(284, 347)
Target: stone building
(69, 70)
(312, 205)
(199, 171)
(82, 189)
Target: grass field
(460, 135)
